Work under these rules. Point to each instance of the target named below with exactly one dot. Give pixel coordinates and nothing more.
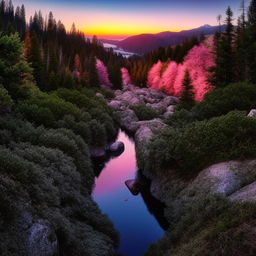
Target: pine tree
(187, 98)
(35, 58)
(93, 74)
(251, 41)
(224, 72)
(241, 47)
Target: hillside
(144, 43)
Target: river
(137, 226)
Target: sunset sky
(117, 19)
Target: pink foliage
(103, 74)
(169, 76)
(125, 76)
(177, 86)
(154, 76)
(197, 62)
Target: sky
(118, 19)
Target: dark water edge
(139, 219)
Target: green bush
(5, 100)
(240, 96)
(200, 144)
(144, 112)
(209, 226)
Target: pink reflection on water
(118, 170)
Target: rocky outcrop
(247, 193)
(128, 120)
(219, 178)
(132, 96)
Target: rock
(170, 100)
(116, 105)
(128, 120)
(168, 113)
(118, 92)
(218, 178)
(42, 240)
(170, 108)
(129, 98)
(100, 95)
(145, 133)
(25, 220)
(247, 193)
(132, 185)
(252, 113)
(159, 107)
(97, 153)
(116, 146)
(150, 100)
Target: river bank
(216, 191)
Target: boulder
(97, 153)
(159, 107)
(252, 113)
(145, 132)
(129, 98)
(247, 193)
(116, 146)
(100, 95)
(116, 105)
(128, 120)
(170, 100)
(218, 178)
(170, 108)
(168, 113)
(118, 92)
(133, 186)
(42, 240)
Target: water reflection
(131, 217)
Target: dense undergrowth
(215, 130)
(45, 170)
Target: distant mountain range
(141, 44)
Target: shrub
(144, 112)
(240, 96)
(211, 225)
(5, 100)
(200, 144)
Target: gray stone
(170, 100)
(100, 95)
(128, 120)
(116, 146)
(116, 105)
(42, 240)
(219, 178)
(132, 185)
(247, 193)
(97, 153)
(252, 113)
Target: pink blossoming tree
(197, 62)
(125, 76)
(103, 74)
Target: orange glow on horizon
(121, 31)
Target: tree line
(59, 58)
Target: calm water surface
(136, 225)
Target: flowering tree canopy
(103, 74)
(198, 61)
(125, 76)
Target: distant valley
(143, 43)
